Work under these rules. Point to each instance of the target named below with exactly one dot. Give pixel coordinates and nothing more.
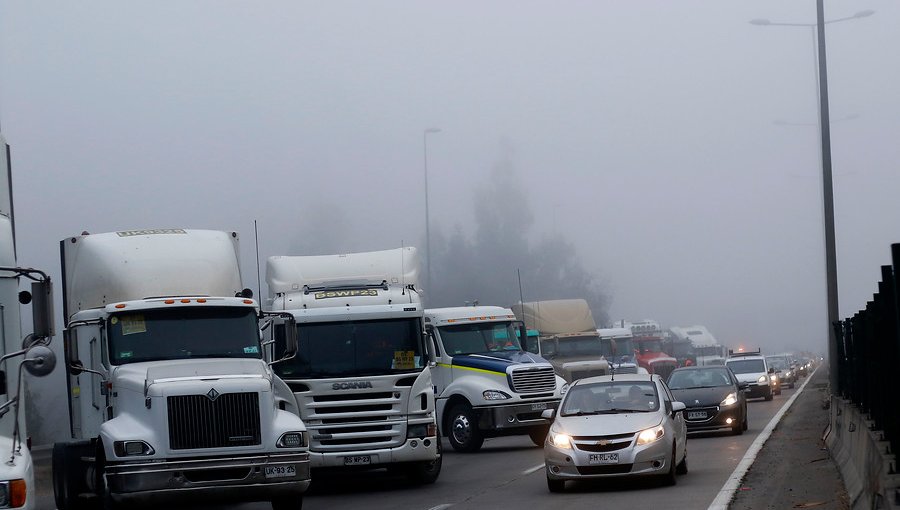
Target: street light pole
(827, 182)
(427, 219)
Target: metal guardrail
(868, 355)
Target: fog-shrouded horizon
(669, 148)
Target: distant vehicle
(751, 368)
(616, 426)
(782, 365)
(486, 385)
(705, 349)
(568, 337)
(624, 360)
(649, 339)
(714, 398)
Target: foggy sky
(657, 136)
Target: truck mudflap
(512, 416)
(250, 478)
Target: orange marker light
(248, 301)
(17, 493)
(185, 300)
(201, 301)
(169, 301)
(121, 305)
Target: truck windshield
(624, 347)
(651, 345)
(183, 332)
(479, 337)
(356, 348)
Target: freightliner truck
(486, 384)
(170, 400)
(567, 337)
(17, 489)
(362, 375)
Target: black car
(713, 396)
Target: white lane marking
(535, 469)
(734, 481)
(441, 507)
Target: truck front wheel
(464, 434)
(68, 478)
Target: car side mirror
(744, 386)
(548, 414)
(678, 407)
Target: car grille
(196, 421)
(615, 469)
(533, 380)
(600, 444)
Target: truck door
(87, 396)
(440, 374)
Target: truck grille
(357, 420)
(533, 380)
(196, 421)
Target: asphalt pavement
(794, 468)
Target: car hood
(750, 378)
(703, 397)
(607, 424)
(496, 361)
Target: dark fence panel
(868, 355)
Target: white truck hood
(139, 376)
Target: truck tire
(425, 473)
(464, 434)
(68, 478)
(538, 435)
(288, 503)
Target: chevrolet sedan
(616, 426)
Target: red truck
(648, 343)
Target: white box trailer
(170, 399)
(486, 384)
(705, 348)
(362, 374)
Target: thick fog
(668, 149)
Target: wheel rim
(462, 429)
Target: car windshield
(610, 397)
(479, 337)
(699, 378)
(183, 333)
(355, 348)
(777, 363)
(747, 366)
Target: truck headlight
(762, 379)
(12, 493)
(132, 448)
(730, 400)
(648, 436)
(494, 395)
(559, 440)
(292, 440)
(421, 430)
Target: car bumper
(413, 450)
(219, 479)
(503, 417)
(574, 464)
(717, 417)
(759, 390)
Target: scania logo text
(355, 385)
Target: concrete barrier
(863, 457)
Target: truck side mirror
(39, 361)
(42, 309)
(430, 344)
(284, 339)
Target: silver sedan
(612, 426)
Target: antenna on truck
(258, 281)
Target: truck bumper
(219, 479)
(413, 450)
(513, 416)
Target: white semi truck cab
(362, 375)
(170, 400)
(17, 489)
(486, 384)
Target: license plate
(697, 415)
(539, 406)
(280, 471)
(358, 460)
(603, 458)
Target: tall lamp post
(818, 32)
(425, 134)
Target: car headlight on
(292, 440)
(132, 448)
(559, 440)
(762, 379)
(494, 395)
(648, 436)
(730, 400)
(774, 378)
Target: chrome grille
(196, 421)
(663, 369)
(359, 420)
(533, 380)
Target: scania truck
(362, 376)
(486, 385)
(17, 489)
(567, 337)
(170, 399)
